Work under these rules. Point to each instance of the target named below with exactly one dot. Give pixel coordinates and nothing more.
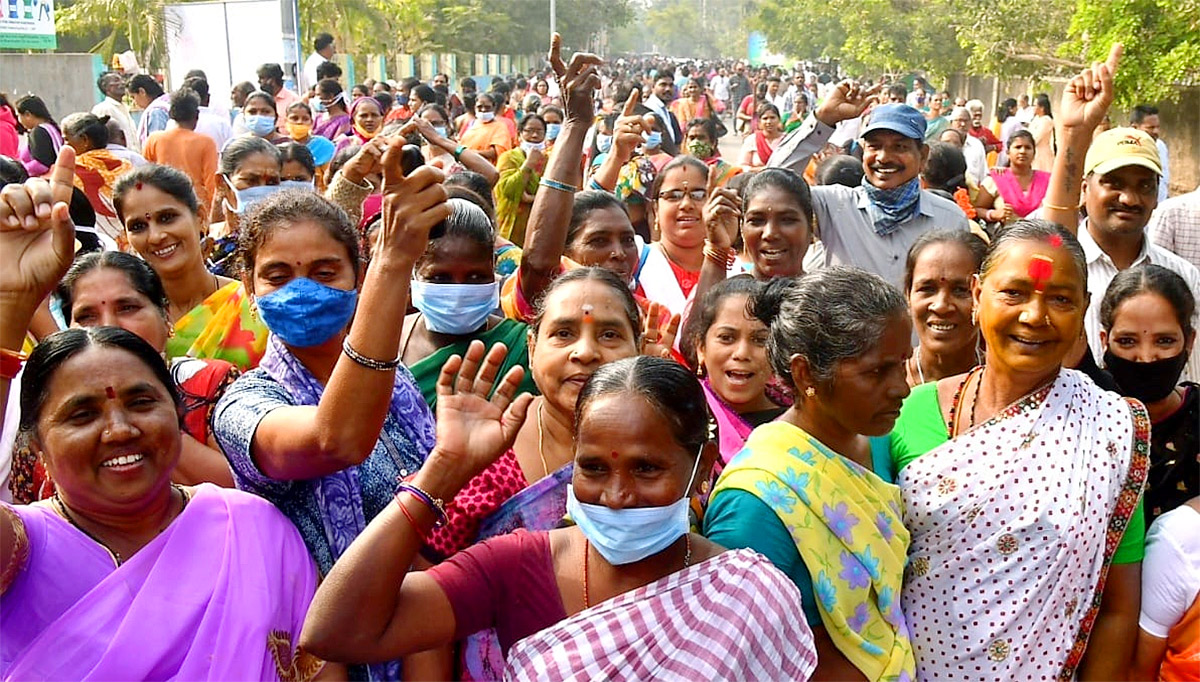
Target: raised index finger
(1114, 56)
(62, 177)
(392, 162)
(555, 56)
(631, 102)
(713, 173)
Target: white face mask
(530, 146)
(486, 116)
(625, 536)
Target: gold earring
(810, 391)
(704, 488)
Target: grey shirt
(843, 223)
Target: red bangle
(10, 363)
(412, 521)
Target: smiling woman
(211, 314)
(1022, 427)
(100, 407)
(839, 337)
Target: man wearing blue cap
(873, 225)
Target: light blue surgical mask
(552, 130)
(305, 185)
(604, 143)
(259, 124)
(455, 308)
(247, 198)
(305, 313)
(625, 536)
(319, 106)
(653, 139)
(440, 130)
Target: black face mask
(1149, 382)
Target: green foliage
(688, 28)
(138, 23)
(867, 36)
(1161, 38)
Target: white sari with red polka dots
(1014, 524)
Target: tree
(141, 23)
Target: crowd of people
(381, 381)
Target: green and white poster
(27, 25)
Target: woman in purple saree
(123, 575)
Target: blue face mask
(653, 139)
(552, 130)
(440, 130)
(319, 106)
(455, 308)
(305, 185)
(259, 124)
(604, 143)
(304, 313)
(625, 536)
(247, 198)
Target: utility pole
(553, 16)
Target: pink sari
(221, 594)
(1023, 203)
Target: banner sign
(27, 25)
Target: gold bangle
(1059, 208)
(714, 253)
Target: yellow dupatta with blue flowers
(847, 524)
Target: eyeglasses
(676, 195)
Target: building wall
(67, 82)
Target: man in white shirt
(323, 51)
(659, 101)
(215, 124)
(1120, 192)
(720, 87)
(973, 149)
(1145, 119)
(112, 84)
(1025, 112)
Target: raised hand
(472, 429)
(1088, 96)
(367, 161)
(37, 237)
(846, 101)
(659, 329)
(627, 131)
(412, 206)
(578, 81)
(416, 124)
(722, 213)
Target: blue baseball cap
(898, 118)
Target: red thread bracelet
(412, 521)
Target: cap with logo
(898, 118)
(1120, 147)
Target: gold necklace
(541, 432)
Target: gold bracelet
(1059, 208)
(714, 253)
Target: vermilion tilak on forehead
(1040, 269)
(108, 391)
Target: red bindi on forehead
(110, 393)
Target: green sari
(514, 335)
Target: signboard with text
(27, 25)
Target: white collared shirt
(1101, 271)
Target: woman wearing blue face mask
(488, 135)
(574, 599)
(259, 117)
(299, 170)
(249, 171)
(457, 296)
(331, 418)
(554, 117)
(520, 172)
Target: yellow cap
(1120, 147)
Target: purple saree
(221, 594)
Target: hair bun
(769, 303)
(105, 119)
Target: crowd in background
(519, 376)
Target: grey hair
(1034, 230)
(826, 316)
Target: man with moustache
(873, 225)
(1120, 191)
